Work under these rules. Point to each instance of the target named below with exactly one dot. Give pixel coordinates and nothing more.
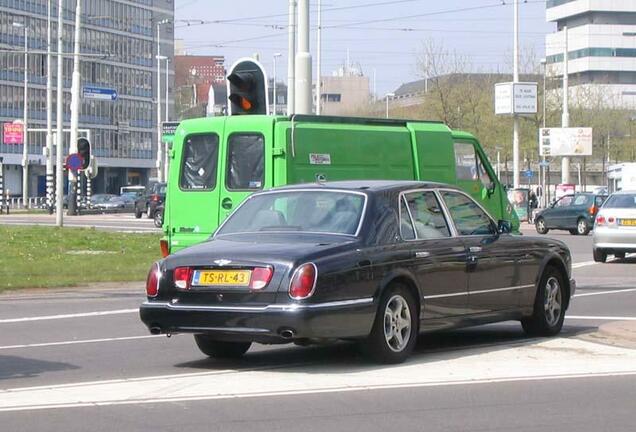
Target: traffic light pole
(50, 176)
(303, 103)
(75, 107)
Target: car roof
(369, 185)
(624, 192)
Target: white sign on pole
(516, 98)
(565, 142)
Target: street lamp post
(387, 96)
(159, 142)
(276, 55)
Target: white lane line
(65, 316)
(600, 318)
(595, 293)
(583, 264)
(553, 359)
(77, 342)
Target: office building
(118, 54)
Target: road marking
(583, 264)
(600, 318)
(618, 291)
(76, 342)
(554, 359)
(65, 316)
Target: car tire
(540, 226)
(158, 218)
(395, 327)
(573, 232)
(549, 305)
(220, 349)
(138, 213)
(619, 255)
(599, 255)
(149, 214)
(582, 227)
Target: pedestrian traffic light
(84, 150)
(247, 88)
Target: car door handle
(422, 254)
(475, 249)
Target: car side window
(580, 200)
(564, 201)
(465, 162)
(406, 224)
(428, 218)
(469, 218)
(599, 200)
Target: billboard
(12, 133)
(565, 141)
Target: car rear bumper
(615, 239)
(277, 323)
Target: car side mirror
(504, 227)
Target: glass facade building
(118, 52)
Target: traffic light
(247, 88)
(84, 150)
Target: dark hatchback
(373, 261)
(574, 213)
(148, 203)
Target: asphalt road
(78, 360)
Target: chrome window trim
(492, 220)
(286, 307)
(445, 215)
(479, 292)
(363, 214)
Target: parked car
(154, 195)
(615, 229)
(574, 213)
(116, 202)
(372, 261)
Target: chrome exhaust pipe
(287, 334)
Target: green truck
(216, 162)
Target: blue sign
(527, 173)
(74, 161)
(102, 93)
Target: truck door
(246, 164)
(475, 177)
(193, 194)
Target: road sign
(516, 98)
(12, 133)
(565, 141)
(527, 173)
(74, 161)
(102, 93)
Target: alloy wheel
(397, 323)
(582, 227)
(552, 301)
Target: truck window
(465, 162)
(200, 160)
(245, 161)
(483, 174)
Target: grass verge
(46, 257)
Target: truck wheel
(549, 305)
(599, 255)
(221, 349)
(395, 328)
(582, 226)
(540, 226)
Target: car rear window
(621, 201)
(199, 163)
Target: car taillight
(611, 219)
(182, 277)
(600, 220)
(152, 281)
(261, 277)
(303, 282)
(165, 250)
(154, 198)
(592, 210)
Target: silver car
(615, 227)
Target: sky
(381, 36)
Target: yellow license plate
(628, 222)
(221, 277)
